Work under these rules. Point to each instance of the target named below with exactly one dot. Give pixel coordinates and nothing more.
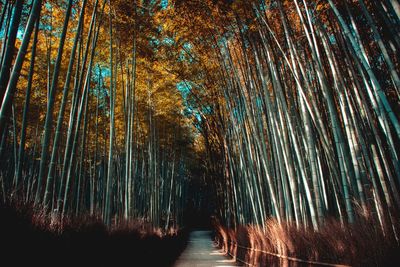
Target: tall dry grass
(31, 237)
(359, 244)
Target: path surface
(201, 252)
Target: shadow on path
(201, 252)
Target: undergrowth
(29, 237)
(359, 244)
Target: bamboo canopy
(282, 109)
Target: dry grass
(360, 244)
(30, 237)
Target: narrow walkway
(201, 252)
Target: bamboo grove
(301, 101)
(85, 125)
(290, 108)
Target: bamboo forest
(200, 132)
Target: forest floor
(201, 252)
(26, 239)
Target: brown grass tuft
(359, 244)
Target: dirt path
(201, 252)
